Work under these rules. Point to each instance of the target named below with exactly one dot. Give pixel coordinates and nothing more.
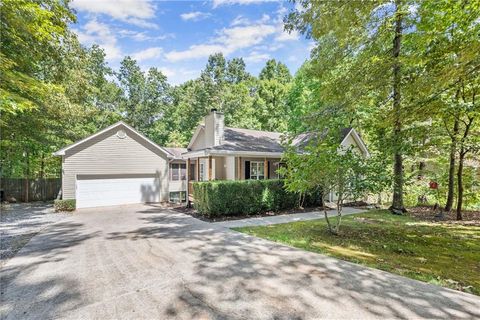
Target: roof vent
(121, 134)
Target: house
(216, 152)
(118, 165)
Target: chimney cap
(213, 110)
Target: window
(202, 172)
(279, 165)
(257, 170)
(178, 171)
(193, 170)
(178, 196)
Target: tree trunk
(27, 176)
(397, 203)
(42, 177)
(451, 171)
(460, 184)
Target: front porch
(219, 167)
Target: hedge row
(64, 205)
(223, 198)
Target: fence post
(26, 190)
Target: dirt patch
(427, 213)
(194, 213)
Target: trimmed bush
(64, 205)
(228, 197)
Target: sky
(178, 36)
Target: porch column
(188, 183)
(239, 167)
(265, 169)
(209, 168)
(197, 166)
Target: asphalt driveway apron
(148, 262)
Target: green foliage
(403, 245)
(64, 205)
(32, 32)
(409, 115)
(224, 198)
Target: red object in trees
(433, 185)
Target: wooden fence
(26, 190)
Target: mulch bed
(470, 217)
(192, 212)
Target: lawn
(443, 254)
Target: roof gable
(119, 124)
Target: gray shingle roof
(247, 140)
(176, 152)
(236, 139)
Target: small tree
(342, 172)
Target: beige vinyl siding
(107, 154)
(349, 141)
(199, 142)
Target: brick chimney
(214, 127)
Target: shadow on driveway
(21, 280)
(238, 276)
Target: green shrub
(64, 205)
(224, 198)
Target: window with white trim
(178, 196)
(279, 165)
(178, 171)
(202, 172)
(257, 170)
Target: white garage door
(97, 191)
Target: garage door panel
(93, 192)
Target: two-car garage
(115, 166)
(98, 190)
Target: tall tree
(145, 96)
(271, 104)
(361, 65)
(236, 71)
(447, 39)
(33, 34)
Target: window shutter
(268, 170)
(247, 170)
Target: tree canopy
(404, 73)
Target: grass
(442, 254)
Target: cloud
(135, 12)
(217, 3)
(195, 16)
(255, 57)
(227, 41)
(287, 36)
(242, 34)
(94, 32)
(240, 20)
(147, 54)
(168, 72)
(195, 51)
(143, 36)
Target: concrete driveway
(148, 262)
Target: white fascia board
(358, 140)
(195, 134)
